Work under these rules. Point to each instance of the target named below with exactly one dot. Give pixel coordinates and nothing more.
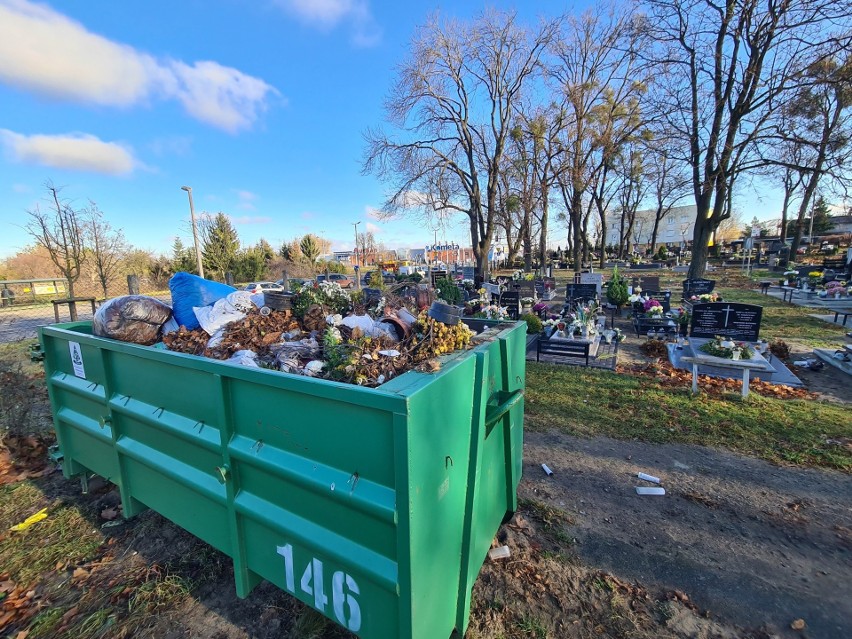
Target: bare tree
(727, 66)
(600, 79)
(454, 102)
(60, 230)
(820, 117)
(106, 246)
(669, 183)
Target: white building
(675, 228)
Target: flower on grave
(538, 308)
(619, 335)
(815, 274)
(634, 298)
(649, 304)
(527, 301)
(682, 316)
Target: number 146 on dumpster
(343, 589)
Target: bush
(376, 280)
(534, 324)
(616, 292)
(448, 291)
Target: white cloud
(73, 151)
(22, 188)
(373, 228)
(47, 53)
(251, 219)
(246, 198)
(327, 14)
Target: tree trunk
(784, 206)
(657, 221)
(700, 239)
(542, 239)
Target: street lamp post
(188, 190)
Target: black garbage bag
(132, 318)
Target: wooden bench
(845, 312)
(563, 348)
(71, 302)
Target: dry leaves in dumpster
(356, 349)
(670, 377)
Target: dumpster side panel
(438, 452)
(374, 506)
(496, 451)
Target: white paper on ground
(645, 490)
(651, 478)
(547, 470)
(499, 553)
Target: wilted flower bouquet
(706, 297)
(727, 349)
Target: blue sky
(259, 107)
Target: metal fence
(27, 304)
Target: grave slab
(772, 369)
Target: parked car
(262, 287)
(295, 281)
(343, 280)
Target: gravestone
(649, 283)
(592, 278)
(492, 289)
(512, 301)
(698, 286)
(663, 297)
(525, 288)
(580, 292)
(438, 275)
(726, 319)
(468, 272)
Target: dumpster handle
(103, 421)
(494, 414)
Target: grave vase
(735, 354)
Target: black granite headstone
(581, 292)
(525, 288)
(663, 297)
(698, 286)
(726, 319)
(438, 275)
(512, 301)
(649, 283)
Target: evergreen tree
(220, 244)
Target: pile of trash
(365, 338)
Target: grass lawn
(589, 402)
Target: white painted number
(340, 597)
(318, 587)
(343, 589)
(287, 553)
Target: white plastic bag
(229, 309)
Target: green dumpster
(374, 506)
